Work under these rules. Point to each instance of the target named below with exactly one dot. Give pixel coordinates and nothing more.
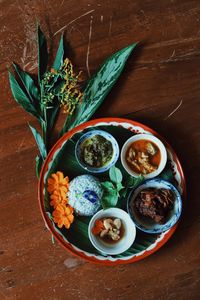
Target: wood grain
(160, 76)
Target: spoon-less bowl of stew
(144, 154)
(155, 206)
(111, 231)
(96, 151)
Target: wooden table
(160, 87)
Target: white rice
(77, 199)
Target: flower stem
(44, 123)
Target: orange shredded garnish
(98, 227)
(58, 197)
(56, 182)
(63, 215)
(58, 186)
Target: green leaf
(109, 199)
(39, 141)
(59, 55)
(70, 119)
(21, 97)
(107, 185)
(132, 182)
(115, 175)
(81, 227)
(119, 187)
(100, 85)
(110, 195)
(52, 116)
(28, 83)
(167, 174)
(42, 54)
(38, 165)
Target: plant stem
(44, 123)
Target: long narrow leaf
(21, 97)
(52, 116)
(70, 119)
(38, 165)
(59, 55)
(42, 54)
(28, 83)
(39, 141)
(100, 85)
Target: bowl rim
(162, 227)
(115, 147)
(122, 214)
(159, 144)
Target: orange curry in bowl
(143, 157)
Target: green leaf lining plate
(62, 158)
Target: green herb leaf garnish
(115, 175)
(131, 183)
(111, 188)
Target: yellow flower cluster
(71, 95)
(57, 187)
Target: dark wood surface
(160, 87)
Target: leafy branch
(59, 88)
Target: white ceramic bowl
(150, 138)
(124, 243)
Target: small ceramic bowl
(108, 137)
(152, 139)
(146, 224)
(128, 236)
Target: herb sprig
(114, 190)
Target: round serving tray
(61, 158)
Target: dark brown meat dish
(155, 203)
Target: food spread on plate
(109, 229)
(96, 151)
(143, 157)
(84, 195)
(154, 203)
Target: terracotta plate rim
(47, 221)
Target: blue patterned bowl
(108, 137)
(146, 224)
